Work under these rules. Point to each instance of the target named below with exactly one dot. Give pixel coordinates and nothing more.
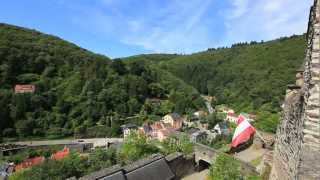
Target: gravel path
(197, 176)
(250, 154)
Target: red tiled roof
(29, 162)
(232, 114)
(60, 154)
(24, 87)
(157, 125)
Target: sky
(119, 28)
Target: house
(146, 130)
(163, 134)
(200, 114)
(61, 154)
(196, 135)
(224, 109)
(29, 162)
(232, 117)
(249, 117)
(128, 128)
(24, 88)
(174, 119)
(6, 169)
(221, 129)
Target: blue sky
(118, 28)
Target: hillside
(78, 92)
(248, 77)
(82, 93)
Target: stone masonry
(297, 150)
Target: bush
(225, 168)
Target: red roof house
(29, 162)
(60, 154)
(24, 88)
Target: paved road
(96, 142)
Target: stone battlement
(297, 150)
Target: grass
(256, 161)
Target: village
(195, 126)
(198, 130)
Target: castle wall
(297, 150)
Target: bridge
(205, 156)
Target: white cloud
(239, 8)
(176, 31)
(266, 19)
(176, 26)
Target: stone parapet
(297, 149)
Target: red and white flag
(243, 131)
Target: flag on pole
(243, 131)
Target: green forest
(78, 92)
(83, 94)
(249, 77)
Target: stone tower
(297, 149)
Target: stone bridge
(206, 155)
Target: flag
(243, 131)
(240, 119)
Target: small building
(249, 117)
(196, 135)
(200, 114)
(174, 119)
(61, 154)
(128, 128)
(24, 88)
(221, 129)
(29, 163)
(165, 133)
(6, 169)
(224, 109)
(146, 130)
(232, 117)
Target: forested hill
(79, 92)
(246, 75)
(82, 93)
(249, 77)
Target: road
(95, 141)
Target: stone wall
(181, 165)
(297, 150)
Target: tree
(179, 143)
(213, 119)
(136, 146)
(118, 66)
(101, 158)
(224, 167)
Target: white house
(200, 114)
(249, 117)
(224, 109)
(232, 117)
(174, 119)
(128, 128)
